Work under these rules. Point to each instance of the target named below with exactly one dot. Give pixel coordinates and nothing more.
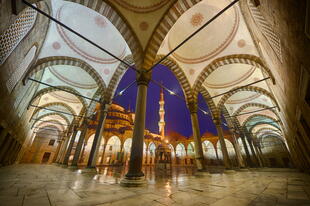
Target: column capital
(192, 107)
(143, 77)
(217, 121)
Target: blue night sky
(177, 116)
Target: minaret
(161, 123)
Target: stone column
(245, 146)
(69, 150)
(6, 145)
(10, 153)
(64, 148)
(57, 151)
(226, 159)
(238, 151)
(193, 107)
(79, 147)
(135, 176)
(3, 135)
(103, 152)
(82, 153)
(252, 151)
(92, 160)
(146, 156)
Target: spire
(161, 123)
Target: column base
(133, 181)
(243, 170)
(202, 174)
(64, 165)
(74, 167)
(229, 171)
(89, 170)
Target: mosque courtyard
(38, 185)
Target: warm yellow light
(167, 141)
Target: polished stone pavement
(40, 185)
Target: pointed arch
(51, 114)
(163, 27)
(207, 97)
(266, 130)
(231, 59)
(119, 72)
(179, 74)
(64, 60)
(59, 88)
(56, 123)
(243, 107)
(262, 122)
(259, 115)
(248, 88)
(67, 107)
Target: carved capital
(217, 121)
(143, 77)
(192, 107)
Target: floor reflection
(151, 173)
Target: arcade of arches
(63, 65)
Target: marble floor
(40, 185)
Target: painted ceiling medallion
(100, 21)
(56, 45)
(95, 28)
(209, 42)
(106, 71)
(241, 43)
(142, 6)
(197, 19)
(191, 71)
(144, 26)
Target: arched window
(191, 150)
(180, 150)
(208, 150)
(16, 32)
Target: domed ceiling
(227, 35)
(95, 27)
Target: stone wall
(18, 124)
(287, 20)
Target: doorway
(46, 157)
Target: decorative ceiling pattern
(142, 6)
(16, 32)
(222, 62)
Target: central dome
(211, 40)
(95, 27)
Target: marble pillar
(93, 155)
(57, 151)
(219, 129)
(6, 145)
(135, 176)
(69, 150)
(252, 151)
(103, 152)
(238, 151)
(193, 107)
(247, 153)
(79, 146)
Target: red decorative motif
(100, 21)
(144, 26)
(241, 43)
(106, 71)
(191, 71)
(56, 45)
(197, 19)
